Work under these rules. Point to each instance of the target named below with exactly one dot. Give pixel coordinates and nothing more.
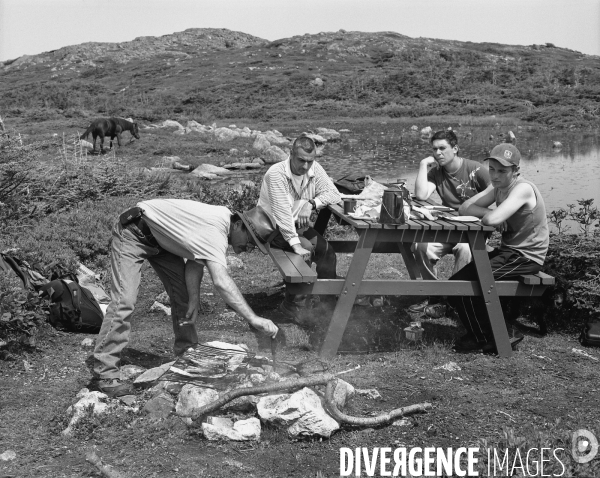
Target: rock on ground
(261, 143)
(212, 169)
(218, 428)
(160, 406)
(342, 392)
(234, 262)
(129, 372)
(171, 124)
(150, 376)
(8, 455)
(225, 134)
(192, 398)
(273, 155)
(86, 399)
(329, 134)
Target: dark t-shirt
(454, 189)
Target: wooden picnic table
(383, 238)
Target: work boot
(115, 388)
(418, 308)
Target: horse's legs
(119, 139)
(94, 135)
(101, 142)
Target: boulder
(171, 124)
(150, 376)
(314, 423)
(258, 161)
(342, 392)
(211, 169)
(273, 155)
(129, 372)
(261, 143)
(277, 139)
(87, 342)
(192, 398)
(316, 82)
(86, 400)
(217, 428)
(329, 134)
(414, 127)
(556, 144)
(179, 132)
(225, 134)
(160, 406)
(426, 131)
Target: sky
(35, 26)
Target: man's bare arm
(424, 188)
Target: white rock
(86, 144)
(129, 372)
(245, 129)
(273, 155)
(234, 262)
(152, 375)
(329, 134)
(86, 400)
(368, 392)
(426, 130)
(9, 455)
(211, 169)
(344, 131)
(317, 82)
(171, 124)
(218, 428)
(225, 134)
(179, 131)
(414, 127)
(449, 367)
(203, 175)
(276, 139)
(258, 161)
(314, 423)
(556, 144)
(317, 138)
(87, 342)
(161, 405)
(261, 143)
(157, 306)
(342, 392)
(192, 398)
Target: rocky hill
(217, 73)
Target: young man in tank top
(455, 179)
(521, 217)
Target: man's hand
(298, 249)
(190, 316)
(429, 160)
(304, 215)
(264, 326)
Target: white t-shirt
(189, 229)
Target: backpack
(351, 184)
(590, 335)
(73, 307)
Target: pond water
(386, 152)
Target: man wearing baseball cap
(179, 238)
(520, 216)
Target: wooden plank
(403, 287)
(308, 275)
(546, 279)
(292, 269)
(350, 246)
(490, 294)
(530, 279)
(341, 314)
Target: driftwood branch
(369, 421)
(285, 386)
(106, 470)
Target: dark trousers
(471, 310)
(321, 253)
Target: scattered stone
(225, 134)
(247, 183)
(3, 343)
(403, 422)
(344, 131)
(86, 400)
(171, 124)
(556, 144)
(369, 393)
(8, 455)
(261, 143)
(258, 161)
(87, 342)
(426, 131)
(449, 367)
(157, 306)
(150, 376)
(511, 137)
(86, 144)
(160, 406)
(128, 400)
(234, 151)
(316, 82)
(274, 155)
(211, 169)
(163, 298)
(276, 139)
(342, 392)
(234, 262)
(217, 428)
(329, 134)
(192, 398)
(414, 127)
(129, 372)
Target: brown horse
(110, 127)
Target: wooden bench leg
(322, 220)
(490, 294)
(341, 314)
(409, 261)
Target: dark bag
(351, 184)
(590, 335)
(73, 307)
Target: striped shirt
(282, 199)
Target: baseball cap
(506, 154)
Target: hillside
(204, 74)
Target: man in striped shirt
(290, 192)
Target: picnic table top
(414, 224)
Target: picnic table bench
(387, 238)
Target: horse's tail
(87, 132)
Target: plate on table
(462, 218)
(439, 208)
